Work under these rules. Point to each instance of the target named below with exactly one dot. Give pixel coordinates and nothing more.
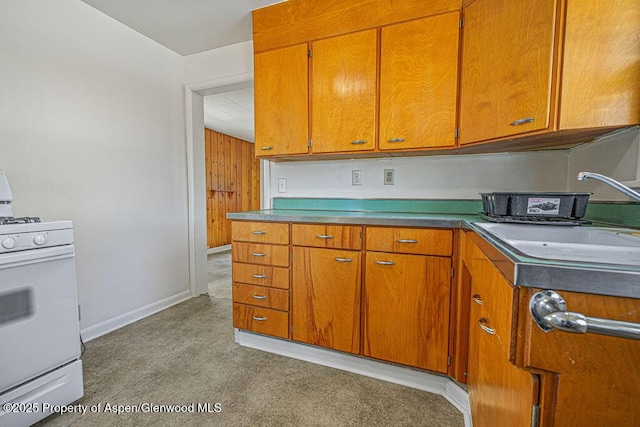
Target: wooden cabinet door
(601, 64)
(325, 298)
(597, 375)
(507, 60)
(498, 390)
(418, 83)
(281, 87)
(343, 100)
(406, 309)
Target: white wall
(92, 130)
(616, 156)
(445, 177)
(214, 64)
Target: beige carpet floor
(187, 355)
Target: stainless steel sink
(582, 244)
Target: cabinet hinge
(461, 23)
(456, 133)
(453, 271)
(535, 416)
(309, 53)
(448, 360)
(309, 142)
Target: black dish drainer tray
(534, 219)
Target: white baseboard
(218, 249)
(102, 328)
(395, 374)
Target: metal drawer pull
(548, 310)
(259, 319)
(258, 254)
(324, 236)
(267, 148)
(259, 296)
(385, 263)
(483, 325)
(359, 142)
(343, 259)
(260, 276)
(521, 121)
(476, 298)
(258, 232)
(406, 241)
(395, 140)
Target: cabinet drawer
(424, 241)
(261, 232)
(261, 275)
(261, 320)
(256, 253)
(327, 236)
(262, 296)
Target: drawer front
(261, 320)
(327, 236)
(262, 296)
(260, 232)
(422, 241)
(257, 253)
(261, 275)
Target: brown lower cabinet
(385, 293)
(325, 306)
(405, 311)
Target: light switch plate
(282, 185)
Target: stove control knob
(39, 239)
(9, 243)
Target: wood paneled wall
(233, 183)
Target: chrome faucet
(583, 176)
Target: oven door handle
(548, 310)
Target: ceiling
(192, 26)
(230, 113)
(186, 26)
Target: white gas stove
(40, 363)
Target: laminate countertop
(520, 269)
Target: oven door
(39, 327)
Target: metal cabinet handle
(343, 259)
(267, 148)
(324, 236)
(260, 276)
(548, 310)
(259, 296)
(396, 140)
(385, 263)
(258, 232)
(406, 241)
(259, 319)
(258, 254)
(359, 142)
(483, 325)
(476, 298)
(521, 121)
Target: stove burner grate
(7, 220)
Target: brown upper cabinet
(530, 68)
(281, 87)
(418, 83)
(343, 100)
(387, 77)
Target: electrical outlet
(282, 185)
(388, 176)
(356, 177)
